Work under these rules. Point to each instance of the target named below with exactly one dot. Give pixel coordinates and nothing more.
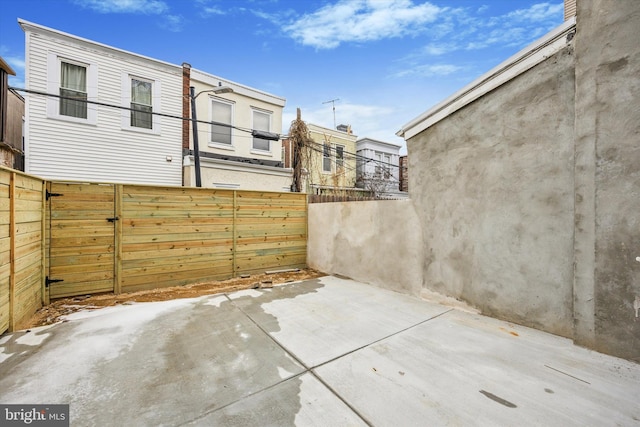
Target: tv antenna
(333, 103)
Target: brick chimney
(186, 104)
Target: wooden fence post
(12, 251)
(43, 253)
(117, 273)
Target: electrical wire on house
(387, 175)
(104, 104)
(319, 147)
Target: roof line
(517, 64)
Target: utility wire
(120, 107)
(104, 104)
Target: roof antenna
(333, 103)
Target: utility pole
(333, 103)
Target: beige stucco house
(231, 154)
(331, 161)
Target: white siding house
(230, 156)
(378, 166)
(106, 142)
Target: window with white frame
(261, 121)
(73, 90)
(326, 158)
(76, 83)
(222, 120)
(141, 104)
(141, 97)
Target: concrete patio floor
(323, 352)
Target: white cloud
(152, 7)
(536, 13)
(16, 63)
(210, 10)
(429, 70)
(463, 30)
(361, 21)
(173, 23)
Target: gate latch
(114, 219)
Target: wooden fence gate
(81, 239)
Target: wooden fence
(21, 247)
(60, 239)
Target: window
(221, 115)
(261, 121)
(141, 105)
(141, 97)
(387, 166)
(76, 82)
(339, 158)
(73, 86)
(326, 158)
(378, 165)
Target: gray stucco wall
(608, 176)
(493, 187)
(377, 242)
(527, 200)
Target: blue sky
(387, 61)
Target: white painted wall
(102, 148)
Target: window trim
(54, 78)
(126, 103)
(215, 144)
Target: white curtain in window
(261, 121)
(221, 113)
(141, 104)
(73, 84)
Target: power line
(104, 104)
(250, 131)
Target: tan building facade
(331, 160)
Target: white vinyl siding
(65, 148)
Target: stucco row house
(337, 162)
(98, 113)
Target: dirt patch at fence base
(61, 307)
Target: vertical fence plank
(235, 233)
(12, 251)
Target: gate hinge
(50, 194)
(48, 281)
(114, 219)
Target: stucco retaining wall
(524, 203)
(378, 242)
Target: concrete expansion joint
(308, 369)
